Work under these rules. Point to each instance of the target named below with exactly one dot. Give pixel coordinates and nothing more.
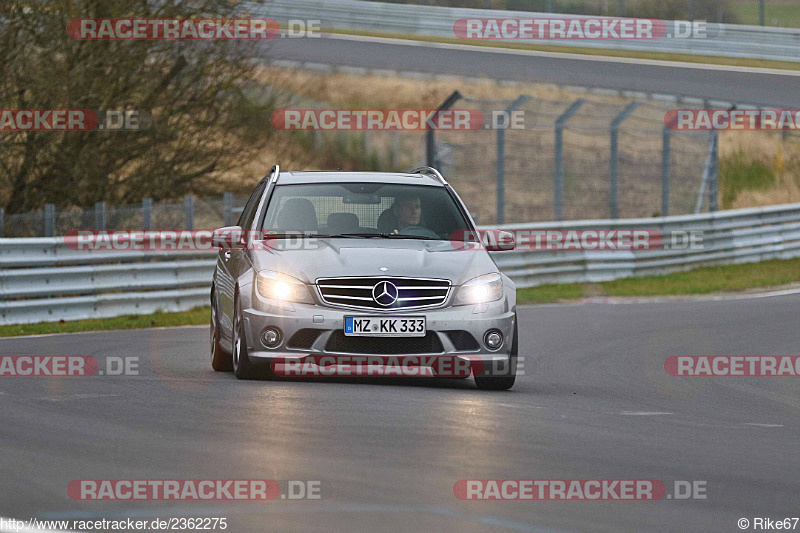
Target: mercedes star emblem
(384, 293)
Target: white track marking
(611, 300)
(644, 413)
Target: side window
(249, 211)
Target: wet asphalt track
(388, 452)
(698, 81)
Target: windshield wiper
(348, 236)
(312, 236)
(383, 236)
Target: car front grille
(410, 293)
(338, 342)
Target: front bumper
(441, 322)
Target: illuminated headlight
(482, 289)
(276, 286)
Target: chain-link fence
(191, 214)
(576, 159)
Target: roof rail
(275, 172)
(430, 171)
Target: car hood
(329, 258)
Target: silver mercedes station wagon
(326, 267)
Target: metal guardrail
(728, 237)
(43, 280)
(732, 40)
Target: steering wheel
(418, 231)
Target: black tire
(505, 381)
(242, 367)
(220, 361)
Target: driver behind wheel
(406, 212)
(409, 211)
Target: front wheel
(506, 378)
(220, 361)
(242, 367)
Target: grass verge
(198, 316)
(699, 281)
(633, 54)
(782, 14)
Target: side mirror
(228, 238)
(499, 241)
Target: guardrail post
(615, 124)
(501, 159)
(227, 202)
(100, 215)
(188, 211)
(2, 221)
(430, 139)
(49, 220)
(558, 178)
(761, 13)
(147, 212)
(666, 137)
(713, 183)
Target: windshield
(364, 210)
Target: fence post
(100, 215)
(147, 211)
(501, 159)
(558, 178)
(227, 202)
(2, 221)
(430, 140)
(708, 169)
(666, 137)
(713, 184)
(615, 155)
(188, 211)
(49, 220)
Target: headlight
(482, 289)
(277, 286)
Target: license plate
(379, 326)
